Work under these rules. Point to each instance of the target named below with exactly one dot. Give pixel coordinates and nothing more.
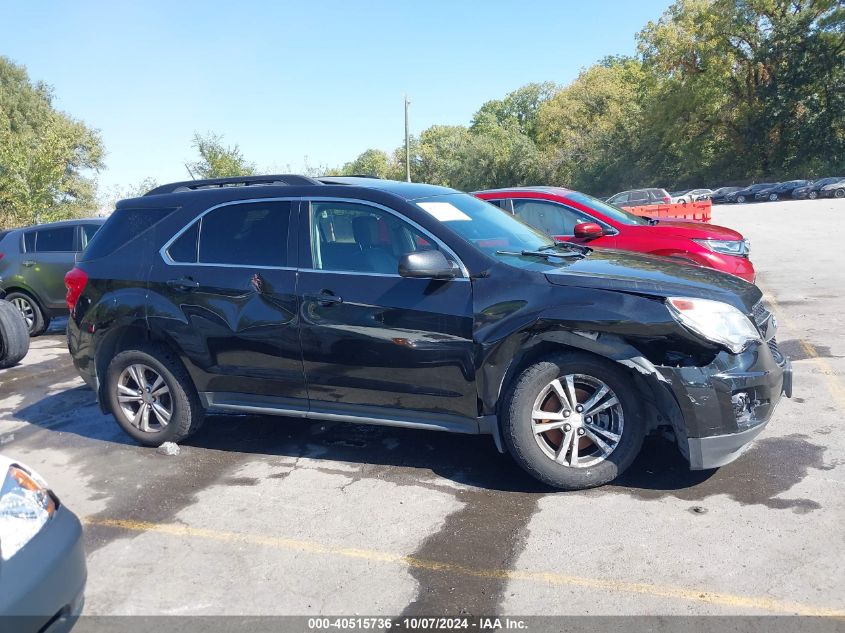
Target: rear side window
(29, 242)
(88, 233)
(122, 226)
(57, 240)
(249, 234)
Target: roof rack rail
(237, 181)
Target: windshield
(484, 225)
(609, 210)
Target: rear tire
(14, 337)
(567, 457)
(36, 321)
(152, 397)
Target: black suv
(382, 302)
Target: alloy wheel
(812, 195)
(144, 398)
(773, 197)
(577, 420)
(26, 309)
(840, 193)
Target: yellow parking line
(828, 374)
(548, 578)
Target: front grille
(760, 313)
(773, 345)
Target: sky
(296, 83)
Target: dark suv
(381, 302)
(33, 263)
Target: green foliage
(217, 160)
(46, 157)
(373, 162)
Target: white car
(834, 190)
(42, 560)
(693, 195)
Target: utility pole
(407, 143)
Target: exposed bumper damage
(726, 404)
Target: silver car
(33, 263)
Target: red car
(571, 216)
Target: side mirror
(588, 230)
(427, 265)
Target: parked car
(640, 197)
(571, 216)
(33, 263)
(42, 560)
(690, 195)
(14, 337)
(744, 195)
(812, 190)
(720, 195)
(780, 191)
(833, 190)
(373, 301)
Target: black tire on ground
(31, 310)
(773, 197)
(14, 337)
(519, 435)
(812, 195)
(740, 199)
(839, 193)
(187, 412)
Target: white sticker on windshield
(444, 211)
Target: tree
(109, 198)
(372, 162)
(217, 160)
(47, 159)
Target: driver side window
(552, 219)
(358, 238)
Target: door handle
(324, 298)
(28, 263)
(185, 283)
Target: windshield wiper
(546, 251)
(570, 245)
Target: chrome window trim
(368, 274)
(425, 232)
(165, 256)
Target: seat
(378, 258)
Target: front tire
(839, 193)
(812, 195)
(152, 397)
(740, 199)
(773, 197)
(573, 421)
(36, 320)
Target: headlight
(726, 247)
(25, 506)
(715, 321)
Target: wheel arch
(658, 407)
(119, 339)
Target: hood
(648, 275)
(691, 229)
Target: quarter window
(359, 238)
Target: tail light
(75, 281)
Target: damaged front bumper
(726, 404)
